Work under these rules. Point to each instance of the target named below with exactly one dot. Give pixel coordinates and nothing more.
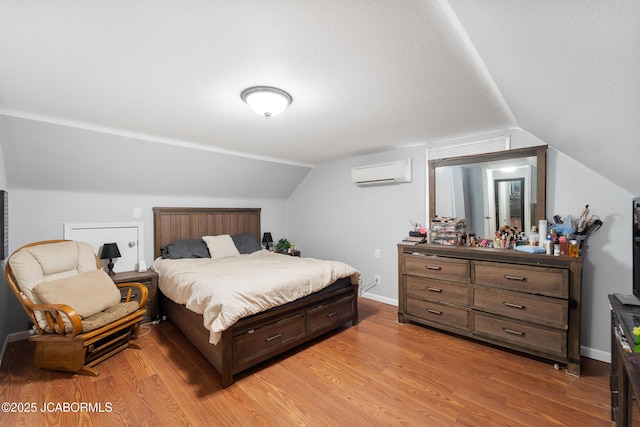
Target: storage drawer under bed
(331, 315)
(257, 342)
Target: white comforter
(225, 290)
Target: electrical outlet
(376, 254)
(376, 279)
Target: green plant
(283, 245)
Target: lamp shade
(266, 101)
(267, 239)
(109, 251)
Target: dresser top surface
(492, 254)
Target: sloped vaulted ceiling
(570, 72)
(365, 75)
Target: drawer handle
(512, 305)
(520, 279)
(278, 335)
(434, 289)
(132, 297)
(333, 313)
(433, 267)
(432, 311)
(512, 332)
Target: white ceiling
(365, 76)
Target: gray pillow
(246, 243)
(188, 248)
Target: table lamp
(267, 240)
(110, 251)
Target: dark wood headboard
(171, 224)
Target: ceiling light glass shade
(265, 100)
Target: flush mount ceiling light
(266, 101)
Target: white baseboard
(595, 354)
(16, 336)
(379, 298)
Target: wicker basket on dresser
(525, 302)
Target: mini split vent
(470, 148)
(382, 173)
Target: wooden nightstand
(148, 278)
(294, 253)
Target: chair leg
(134, 344)
(89, 372)
(135, 331)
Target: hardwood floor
(376, 373)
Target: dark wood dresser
(625, 372)
(525, 302)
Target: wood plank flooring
(378, 373)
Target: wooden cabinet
(624, 382)
(526, 302)
(148, 278)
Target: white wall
(40, 215)
(329, 217)
(607, 264)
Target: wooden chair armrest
(54, 313)
(144, 291)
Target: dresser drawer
(538, 338)
(523, 278)
(426, 288)
(453, 316)
(257, 342)
(331, 315)
(533, 308)
(437, 267)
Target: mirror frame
(540, 152)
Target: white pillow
(221, 246)
(87, 293)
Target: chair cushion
(87, 293)
(36, 264)
(98, 320)
(111, 314)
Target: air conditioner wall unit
(382, 173)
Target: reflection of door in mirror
(464, 187)
(509, 205)
(452, 189)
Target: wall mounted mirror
(490, 190)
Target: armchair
(81, 317)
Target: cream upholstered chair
(79, 313)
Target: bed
(258, 337)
